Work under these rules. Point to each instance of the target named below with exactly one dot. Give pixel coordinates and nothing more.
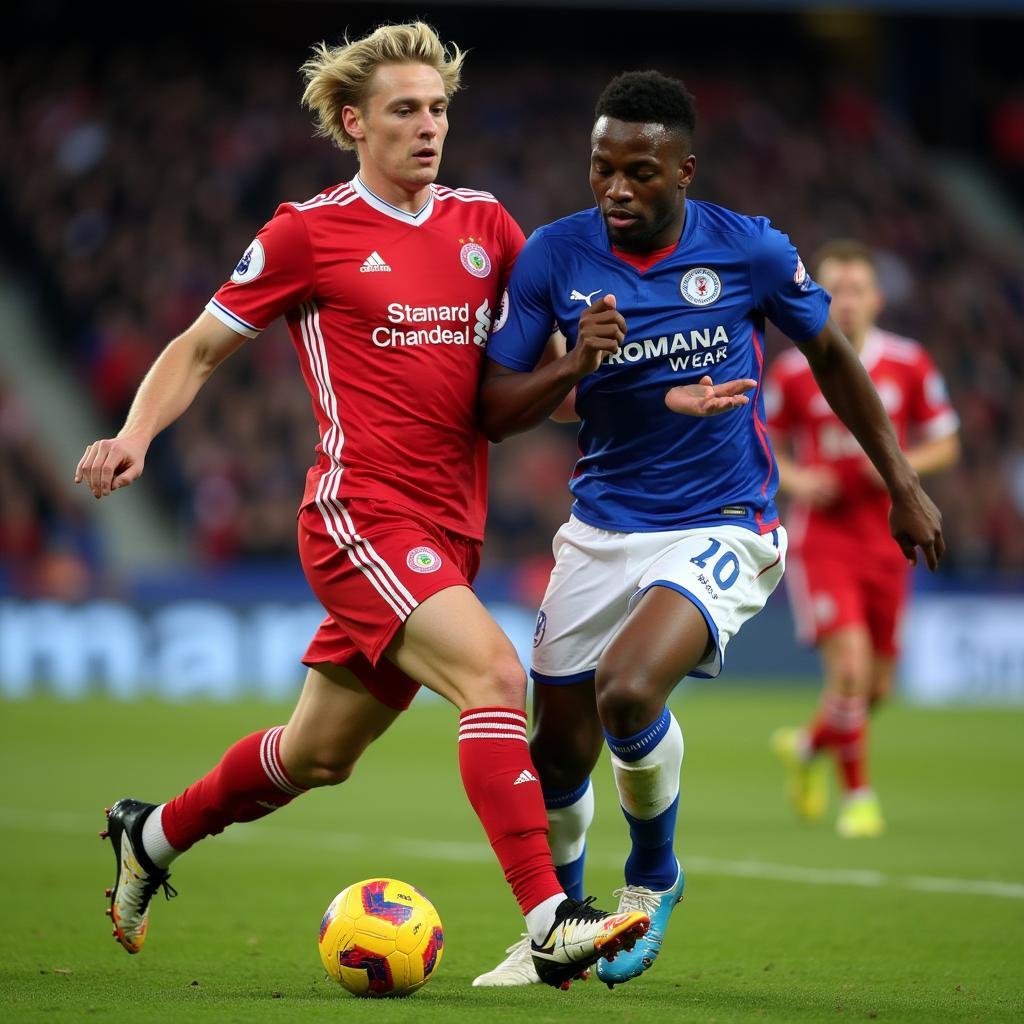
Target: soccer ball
(381, 937)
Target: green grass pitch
(781, 922)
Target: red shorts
(829, 592)
(370, 563)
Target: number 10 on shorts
(726, 570)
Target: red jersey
(914, 396)
(389, 312)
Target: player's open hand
(915, 522)
(110, 464)
(707, 399)
(600, 333)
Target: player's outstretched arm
(914, 521)
(512, 401)
(164, 394)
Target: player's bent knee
(561, 762)
(626, 702)
(322, 772)
(504, 685)
(852, 678)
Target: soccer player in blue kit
(674, 540)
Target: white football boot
(137, 878)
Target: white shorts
(728, 572)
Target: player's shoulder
(444, 194)
(584, 224)
(895, 348)
(329, 200)
(737, 230)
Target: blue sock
(571, 876)
(570, 812)
(652, 861)
(646, 767)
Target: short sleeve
(777, 409)
(524, 321)
(783, 289)
(931, 414)
(274, 275)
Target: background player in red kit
(847, 580)
(388, 284)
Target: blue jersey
(700, 310)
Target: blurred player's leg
(883, 673)
(452, 645)
(842, 726)
(565, 746)
(664, 638)
(334, 721)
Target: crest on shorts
(700, 286)
(540, 629)
(250, 266)
(423, 559)
(475, 259)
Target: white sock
(567, 828)
(154, 842)
(542, 917)
(649, 785)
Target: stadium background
(140, 149)
(136, 165)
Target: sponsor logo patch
(250, 266)
(700, 286)
(423, 559)
(374, 264)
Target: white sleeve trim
(232, 320)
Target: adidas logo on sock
(525, 776)
(374, 264)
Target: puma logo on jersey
(374, 264)
(578, 296)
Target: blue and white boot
(658, 906)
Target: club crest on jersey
(700, 286)
(423, 559)
(250, 266)
(475, 259)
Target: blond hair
(339, 76)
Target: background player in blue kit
(674, 541)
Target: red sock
(501, 783)
(248, 783)
(841, 726)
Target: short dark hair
(649, 97)
(843, 250)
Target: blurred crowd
(130, 189)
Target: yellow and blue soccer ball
(381, 937)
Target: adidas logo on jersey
(525, 776)
(374, 264)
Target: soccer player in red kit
(388, 284)
(847, 580)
